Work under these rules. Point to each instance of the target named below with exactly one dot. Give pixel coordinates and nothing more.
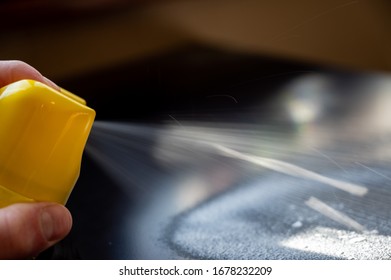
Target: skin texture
(26, 229)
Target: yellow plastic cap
(43, 133)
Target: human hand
(26, 229)
(15, 70)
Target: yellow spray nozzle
(43, 133)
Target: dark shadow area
(194, 82)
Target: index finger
(15, 70)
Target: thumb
(26, 229)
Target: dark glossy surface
(226, 156)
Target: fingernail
(51, 84)
(55, 221)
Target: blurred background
(308, 79)
(67, 40)
(90, 46)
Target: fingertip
(50, 83)
(56, 222)
(15, 70)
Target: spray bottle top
(43, 133)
